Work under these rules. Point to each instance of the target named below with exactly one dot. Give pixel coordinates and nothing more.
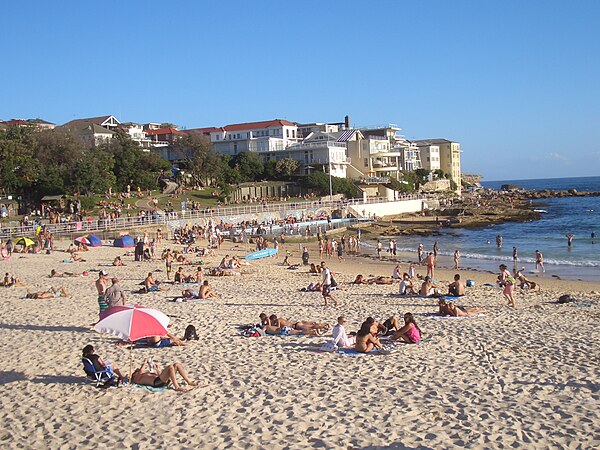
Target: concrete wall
(388, 209)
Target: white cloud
(555, 156)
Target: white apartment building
(261, 137)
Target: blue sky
(517, 83)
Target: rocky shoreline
(475, 210)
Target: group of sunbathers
(278, 326)
(367, 337)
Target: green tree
(18, 167)
(201, 161)
(285, 168)
(249, 165)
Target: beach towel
(352, 352)
(150, 388)
(437, 316)
(188, 300)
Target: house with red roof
(263, 136)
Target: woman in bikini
(365, 339)
(410, 332)
(450, 309)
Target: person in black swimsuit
(162, 378)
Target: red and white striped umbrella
(82, 240)
(133, 322)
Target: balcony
(313, 145)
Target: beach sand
(515, 377)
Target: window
(287, 133)
(366, 162)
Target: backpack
(190, 333)
(251, 331)
(329, 346)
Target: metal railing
(15, 229)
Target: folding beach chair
(99, 377)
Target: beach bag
(329, 346)
(252, 331)
(333, 282)
(565, 299)
(470, 283)
(190, 333)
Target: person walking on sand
(508, 281)
(101, 286)
(539, 261)
(326, 281)
(456, 258)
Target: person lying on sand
(410, 332)
(360, 280)
(55, 274)
(312, 287)
(169, 340)
(117, 262)
(457, 288)
(296, 325)
(365, 339)
(50, 293)
(287, 331)
(162, 378)
(450, 309)
(99, 364)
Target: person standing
(570, 237)
(436, 249)
(101, 285)
(115, 296)
(499, 240)
(379, 248)
(305, 256)
(420, 249)
(326, 281)
(430, 261)
(515, 258)
(539, 261)
(456, 258)
(508, 281)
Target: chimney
(347, 122)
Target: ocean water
(577, 215)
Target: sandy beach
(524, 377)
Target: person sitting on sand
(406, 286)
(10, 281)
(117, 262)
(428, 289)
(181, 277)
(525, 282)
(152, 285)
(162, 378)
(313, 269)
(76, 258)
(450, 309)
(169, 340)
(204, 292)
(50, 293)
(360, 280)
(410, 332)
(99, 364)
(297, 325)
(457, 288)
(340, 336)
(198, 277)
(365, 339)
